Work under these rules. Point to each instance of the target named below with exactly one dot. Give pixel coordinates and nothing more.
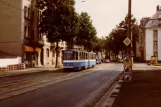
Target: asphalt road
(71, 93)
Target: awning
(28, 49)
(37, 50)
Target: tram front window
(68, 55)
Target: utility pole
(129, 20)
(128, 55)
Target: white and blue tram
(77, 59)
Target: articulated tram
(77, 59)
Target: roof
(154, 23)
(157, 15)
(155, 20)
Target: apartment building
(153, 36)
(140, 53)
(20, 37)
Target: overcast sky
(106, 14)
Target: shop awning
(28, 49)
(37, 49)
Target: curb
(106, 100)
(111, 96)
(28, 72)
(94, 101)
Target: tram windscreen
(68, 55)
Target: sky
(106, 14)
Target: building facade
(20, 35)
(153, 36)
(141, 39)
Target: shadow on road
(144, 91)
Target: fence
(13, 67)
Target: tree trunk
(57, 52)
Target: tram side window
(86, 56)
(79, 55)
(94, 56)
(89, 56)
(76, 55)
(83, 56)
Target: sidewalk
(27, 71)
(143, 91)
(144, 66)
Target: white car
(107, 60)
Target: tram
(78, 59)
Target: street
(73, 92)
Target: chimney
(157, 7)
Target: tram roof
(78, 50)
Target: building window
(27, 12)
(155, 44)
(39, 14)
(40, 35)
(26, 31)
(155, 53)
(155, 34)
(47, 52)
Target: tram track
(32, 83)
(29, 79)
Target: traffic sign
(127, 68)
(127, 41)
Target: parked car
(98, 61)
(107, 61)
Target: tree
(87, 32)
(99, 44)
(117, 35)
(59, 21)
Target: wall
(10, 24)
(149, 43)
(9, 61)
(159, 44)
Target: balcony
(40, 42)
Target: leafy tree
(117, 35)
(59, 21)
(99, 44)
(87, 32)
